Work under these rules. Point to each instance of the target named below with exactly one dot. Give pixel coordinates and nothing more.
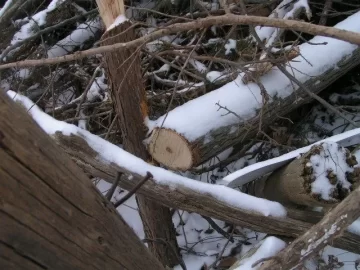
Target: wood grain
(51, 215)
(194, 201)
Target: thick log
(199, 130)
(319, 236)
(323, 176)
(185, 198)
(51, 215)
(128, 93)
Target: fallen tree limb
(185, 198)
(235, 112)
(319, 236)
(98, 157)
(346, 35)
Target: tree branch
(309, 28)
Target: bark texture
(193, 201)
(292, 184)
(51, 215)
(128, 93)
(319, 236)
(216, 141)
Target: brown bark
(190, 200)
(51, 215)
(128, 93)
(319, 236)
(210, 21)
(291, 184)
(163, 143)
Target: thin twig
(223, 250)
(84, 95)
(264, 260)
(327, 6)
(133, 191)
(218, 229)
(111, 191)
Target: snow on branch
(231, 106)
(346, 34)
(110, 153)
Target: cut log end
(170, 149)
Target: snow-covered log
(100, 158)
(196, 131)
(323, 176)
(52, 217)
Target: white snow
(212, 76)
(251, 172)
(76, 39)
(97, 88)
(119, 20)
(244, 100)
(198, 65)
(5, 7)
(354, 227)
(285, 10)
(112, 154)
(230, 46)
(331, 158)
(38, 20)
(270, 246)
(23, 73)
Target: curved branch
(349, 36)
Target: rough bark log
(128, 93)
(190, 200)
(292, 184)
(164, 144)
(51, 215)
(319, 236)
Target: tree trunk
(128, 93)
(326, 164)
(188, 199)
(181, 146)
(51, 215)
